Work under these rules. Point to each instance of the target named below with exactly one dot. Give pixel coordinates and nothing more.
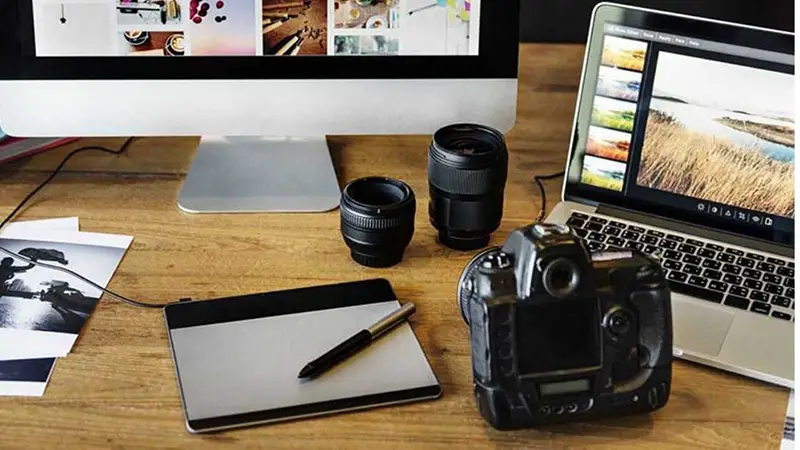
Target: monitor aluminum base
(259, 174)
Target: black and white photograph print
(25, 377)
(46, 309)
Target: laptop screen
(689, 120)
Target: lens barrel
(377, 220)
(467, 172)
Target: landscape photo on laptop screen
(256, 27)
(694, 124)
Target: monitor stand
(259, 174)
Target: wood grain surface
(117, 389)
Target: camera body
(560, 335)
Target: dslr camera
(559, 334)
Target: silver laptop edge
(749, 344)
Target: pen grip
(344, 350)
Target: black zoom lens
(377, 216)
(467, 171)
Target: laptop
(683, 147)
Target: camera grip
(655, 325)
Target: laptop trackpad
(697, 328)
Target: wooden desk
(117, 388)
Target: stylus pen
(357, 342)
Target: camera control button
(507, 367)
(503, 260)
(558, 410)
(544, 410)
(572, 408)
(505, 350)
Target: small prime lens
(467, 171)
(377, 220)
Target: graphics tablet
(237, 359)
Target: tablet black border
(497, 58)
(255, 306)
(741, 35)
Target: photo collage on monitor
(613, 113)
(256, 27)
(733, 152)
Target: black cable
(19, 207)
(538, 179)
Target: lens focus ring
(464, 182)
(371, 223)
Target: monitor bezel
(737, 34)
(497, 58)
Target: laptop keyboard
(702, 269)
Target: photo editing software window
(694, 124)
(256, 27)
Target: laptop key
(636, 229)
(677, 276)
(695, 291)
(711, 264)
(632, 235)
(598, 220)
(776, 261)
(655, 233)
(718, 286)
(773, 289)
(732, 279)
(706, 253)
(675, 238)
(649, 240)
(694, 242)
(781, 315)
(614, 223)
(578, 215)
(615, 241)
(785, 271)
(770, 278)
(788, 282)
(575, 222)
(790, 265)
(697, 281)
(634, 245)
(726, 258)
(672, 265)
(740, 291)
(734, 251)
(692, 270)
(669, 245)
(737, 302)
(756, 256)
(581, 233)
(686, 248)
(754, 284)
(594, 236)
(593, 226)
(595, 246)
(752, 273)
(789, 293)
(730, 268)
(766, 267)
(671, 254)
(713, 274)
(745, 262)
(691, 259)
(783, 302)
(650, 249)
(761, 308)
(759, 296)
(612, 231)
(715, 247)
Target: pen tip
(305, 372)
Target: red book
(12, 148)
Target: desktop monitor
(261, 81)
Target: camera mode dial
(618, 322)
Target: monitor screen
(699, 125)
(175, 28)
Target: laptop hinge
(682, 227)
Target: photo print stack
(42, 311)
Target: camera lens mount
(561, 278)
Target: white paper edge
(70, 237)
(23, 388)
(37, 344)
(65, 224)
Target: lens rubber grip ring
(371, 223)
(465, 182)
